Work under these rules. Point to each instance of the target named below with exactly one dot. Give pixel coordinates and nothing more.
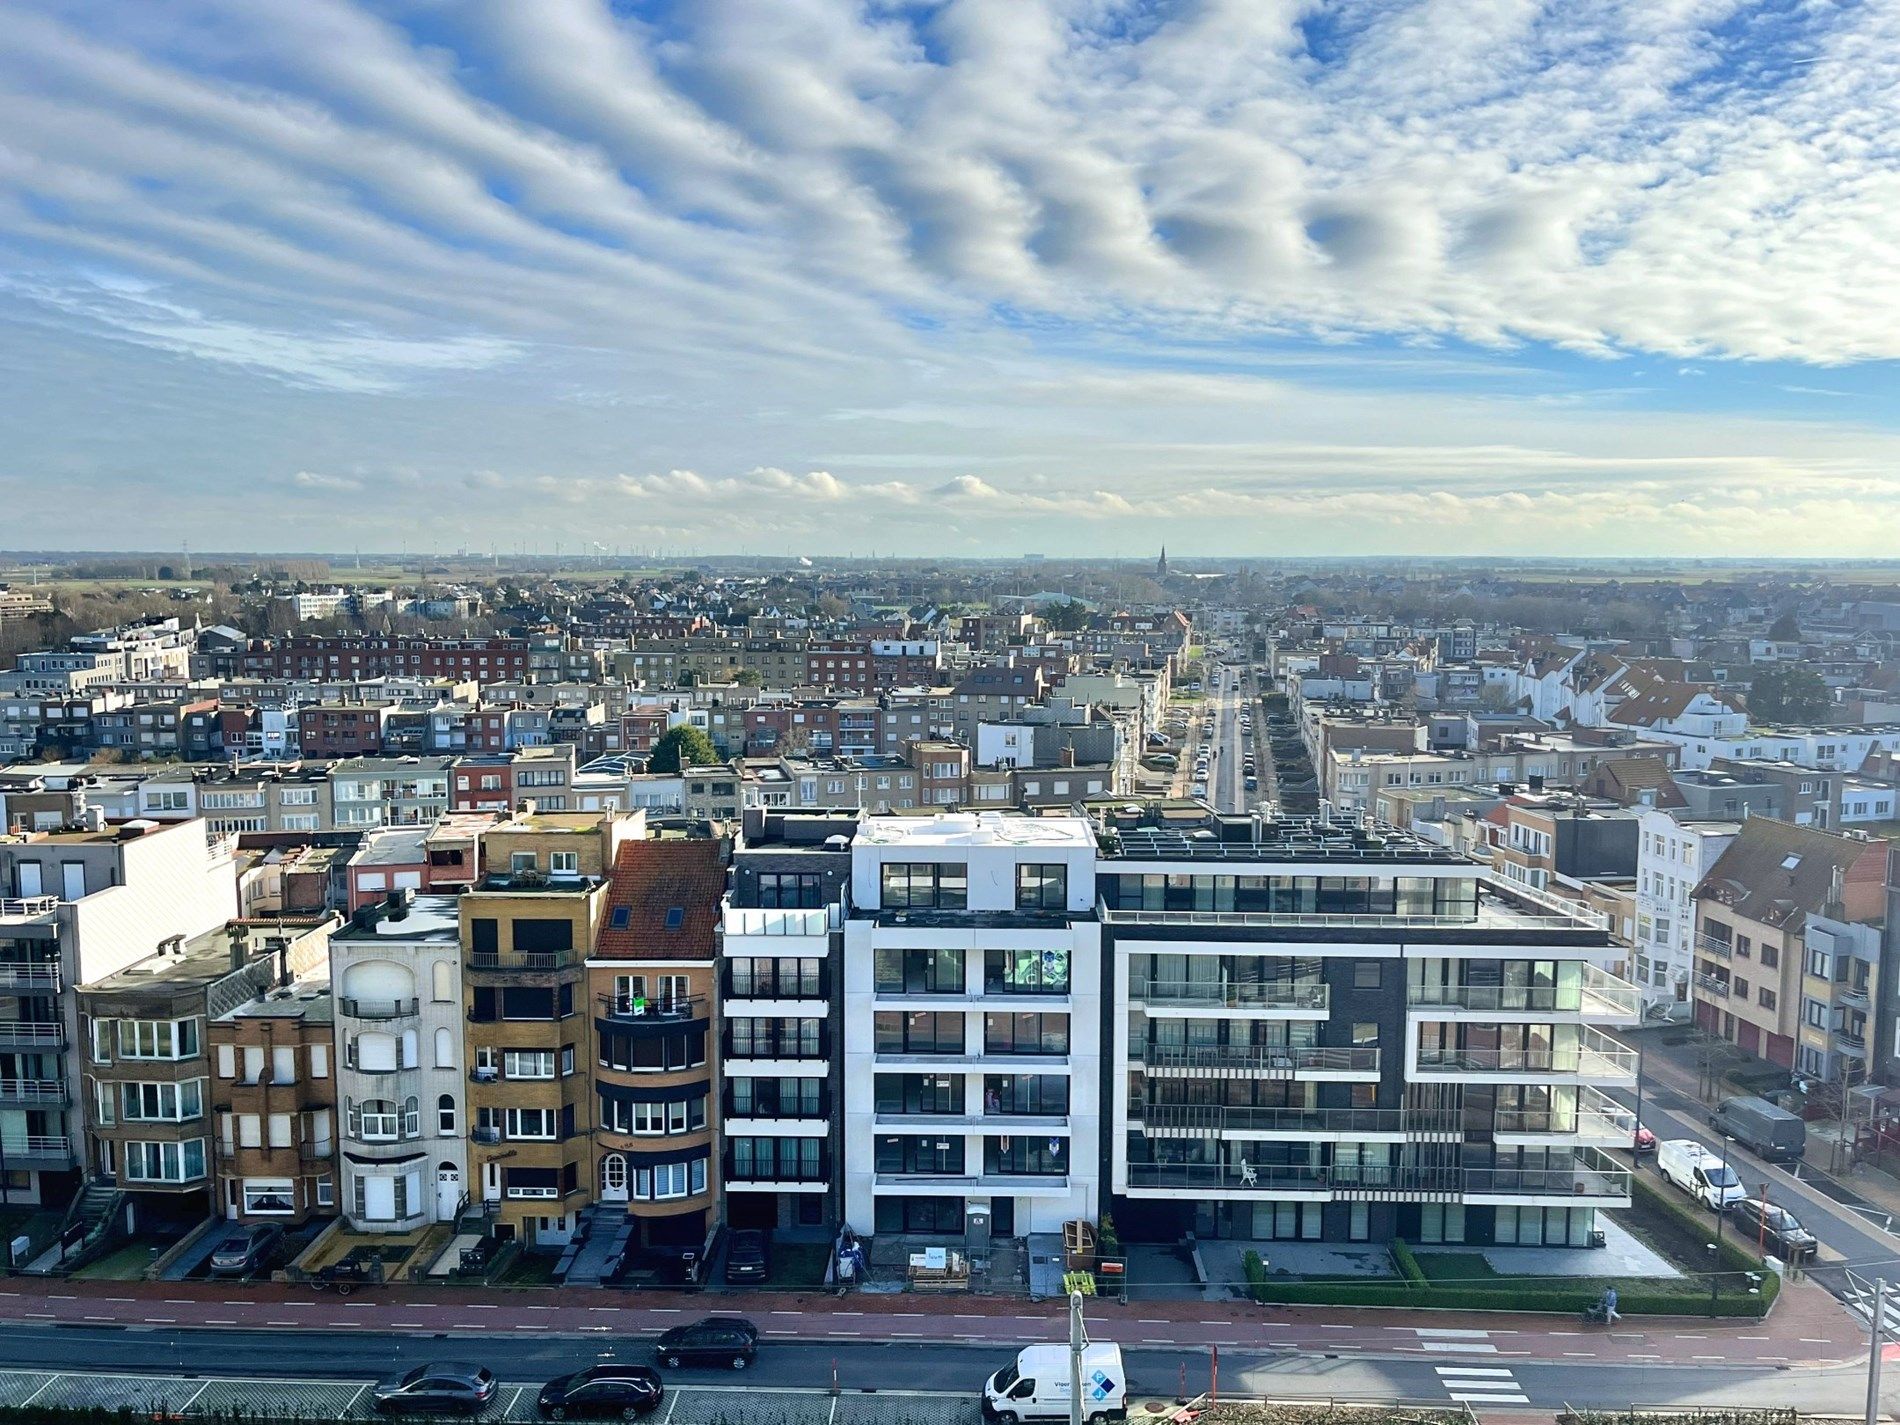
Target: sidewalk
(1806, 1328)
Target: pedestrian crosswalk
(1478, 1386)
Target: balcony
(1850, 1041)
(893, 1121)
(794, 1173)
(1595, 1118)
(27, 907)
(1593, 1058)
(523, 960)
(379, 1008)
(33, 1091)
(766, 930)
(1712, 986)
(766, 986)
(1719, 949)
(765, 1045)
(1854, 996)
(1599, 995)
(1261, 998)
(1270, 1179)
(33, 1032)
(42, 978)
(1592, 1179)
(1236, 1060)
(1214, 1120)
(625, 1011)
(27, 1152)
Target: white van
(1698, 1172)
(1037, 1386)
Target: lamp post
(1714, 1278)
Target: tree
(1787, 692)
(1785, 629)
(1065, 617)
(682, 746)
(748, 678)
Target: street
(532, 1357)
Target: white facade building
(972, 1026)
(1673, 853)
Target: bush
(1256, 1271)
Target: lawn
(528, 1269)
(127, 1264)
(800, 1263)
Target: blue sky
(971, 277)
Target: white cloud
(1067, 263)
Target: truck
(1036, 1386)
(1773, 1133)
(1698, 1172)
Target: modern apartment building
(652, 990)
(78, 906)
(527, 928)
(1341, 1033)
(782, 1072)
(401, 1063)
(972, 1026)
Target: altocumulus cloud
(1066, 255)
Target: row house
(338, 730)
(274, 1093)
(865, 665)
(149, 730)
(1674, 852)
(370, 655)
(367, 792)
(1751, 953)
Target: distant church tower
(1161, 564)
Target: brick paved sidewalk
(1807, 1326)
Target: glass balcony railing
(1592, 1056)
(1266, 1062)
(1597, 993)
(1302, 995)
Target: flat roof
(427, 918)
(977, 829)
(312, 1003)
(199, 961)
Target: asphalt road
(530, 1358)
(1847, 1238)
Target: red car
(1643, 1142)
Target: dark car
(1774, 1227)
(715, 1341)
(440, 1388)
(248, 1251)
(625, 1391)
(748, 1257)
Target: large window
(924, 885)
(1026, 972)
(936, 1216)
(918, 972)
(768, 978)
(922, 1155)
(791, 890)
(1046, 1094)
(1028, 1154)
(670, 1180)
(655, 1053)
(162, 1103)
(165, 1162)
(777, 1098)
(1030, 1033)
(653, 1119)
(1452, 898)
(1042, 887)
(782, 1160)
(918, 1032)
(775, 1038)
(158, 1038)
(919, 1093)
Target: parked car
(1775, 1227)
(713, 1341)
(1642, 1141)
(1700, 1173)
(748, 1257)
(439, 1388)
(1774, 1133)
(251, 1249)
(626, 1391)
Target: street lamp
(1715, 1279)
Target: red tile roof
(654, 879)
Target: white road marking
(1476, 1348)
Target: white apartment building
(972, 1026)
(1673, 853)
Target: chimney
(240, 946)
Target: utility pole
(1078, 1338)
(1876, 1339)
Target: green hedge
(1635, 1296)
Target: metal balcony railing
(1709, 945)
(39, 978)
(641, 1010)
(522, 959)
(26, 907)
(379, 1008)
(1716, 986)
(23, 1031)
(1267, 1062)
(1598, 992)
(33, 1090)
(1592, 1056)
(1241, 994)
(1214, 1119)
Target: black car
(748, 1257)
(440, 1388)
(1774, 1227)
(625, 1391)
(250, 1250)
(715, 1341)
